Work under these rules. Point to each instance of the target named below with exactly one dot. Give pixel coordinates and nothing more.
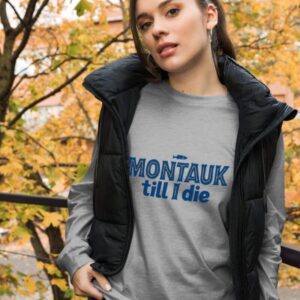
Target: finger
(80, 293)
(85, 287)
(91, 291)
(102, 281)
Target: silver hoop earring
(210, 35)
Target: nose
(159, 28)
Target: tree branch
(27, 23)
(40, 60)
(63, 165)
(43, 5)
(39, 249)
(80, 104)
(27, 17)
(3, 16)
(15, 11)
(51, 154)
(63, 85)
(52, 93)
(66, 138)
(36, 61)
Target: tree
(48, 158)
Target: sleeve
(76, 250)
(269, 258)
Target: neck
(200, 79)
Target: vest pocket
(108, 242)
(254, 230)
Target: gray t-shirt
(181, 151)
(179, 248)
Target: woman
(201, 138)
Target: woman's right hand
(83, 285)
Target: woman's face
(175, 21)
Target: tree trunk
(56, 245)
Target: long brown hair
(221, 43)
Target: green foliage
(82, 6)
(81, 171)
(73, 49)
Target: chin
(171, 64)
(173, 67)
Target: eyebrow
(160, 6)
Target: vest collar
(257, 107)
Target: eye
(173, 9)
(142, 26)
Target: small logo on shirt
(180, 156)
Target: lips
(166, 48)
(163, 46)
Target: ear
(211, 15)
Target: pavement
(288, 293)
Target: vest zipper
(284, 112)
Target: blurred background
(48, 121)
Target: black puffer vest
(118, 85)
